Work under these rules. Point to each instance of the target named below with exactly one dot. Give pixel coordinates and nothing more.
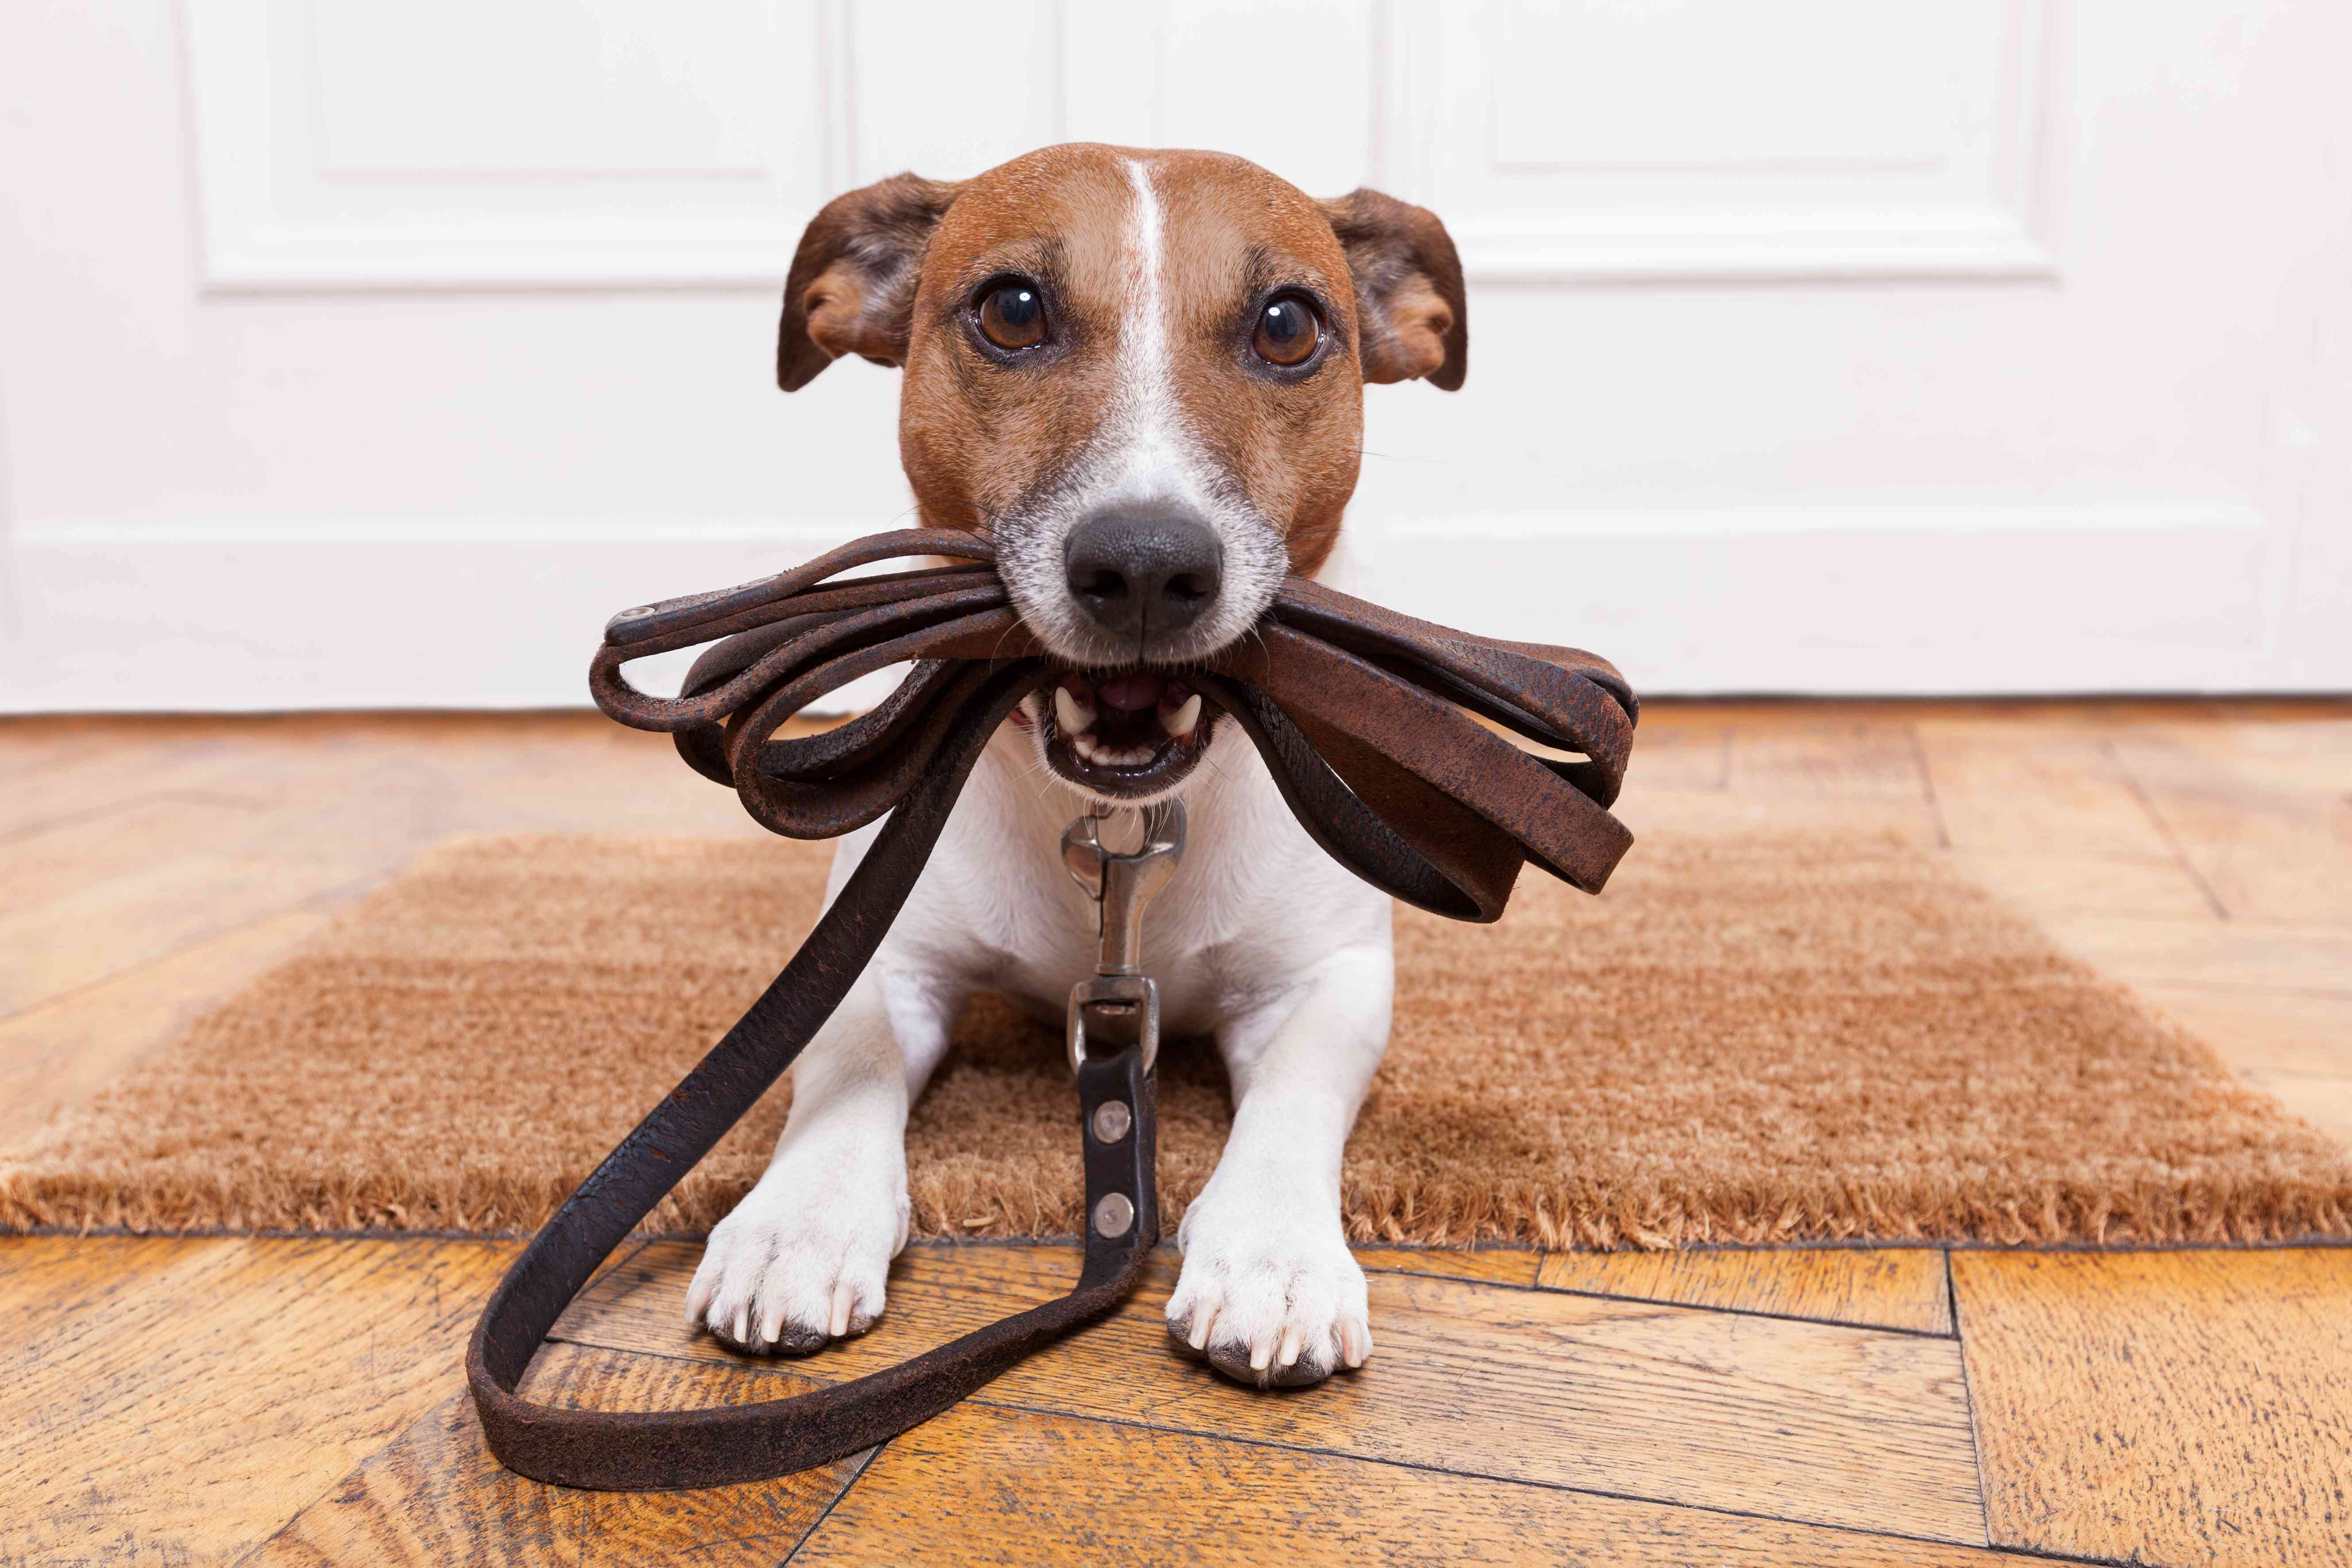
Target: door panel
(1826, 346)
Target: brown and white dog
(1141, 374)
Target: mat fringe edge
(1583, 1215)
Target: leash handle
(652, 1450)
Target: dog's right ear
(852, 286)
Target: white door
(354, 353)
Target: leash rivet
(1112, 1119)
(1114, 1215)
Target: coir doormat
(1747, 1040)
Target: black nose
(1144, 572)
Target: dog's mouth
(1125, 733)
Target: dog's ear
(852, 286)
(1412, 320)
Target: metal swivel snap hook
(1120, 1004)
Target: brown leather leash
(1364, 717)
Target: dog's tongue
(1131, 693)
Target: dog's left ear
(1412, 320)
(852, 286)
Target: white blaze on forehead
(1144, 452)
(1146, 430)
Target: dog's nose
(1144, 572)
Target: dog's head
(1142, 374)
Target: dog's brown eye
(1288, 331)
(1013, 316)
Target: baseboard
(496, 612)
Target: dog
(1140, 375)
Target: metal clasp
(1120, 1004)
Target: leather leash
(1363, 715)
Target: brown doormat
(1748, 1040)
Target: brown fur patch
(890, 271)
(1409, 278)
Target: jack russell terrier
(1139, 373)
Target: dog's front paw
(1267, 1296)
(801, 1260)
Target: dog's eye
(1288, 331)
(1013, 316)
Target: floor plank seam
(336, 1483)
(1728, 1311)
(2164, 830)
(1969, 1398)
(1927, 786)
(833, 1502)
(1689, 1306)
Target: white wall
(357, 354)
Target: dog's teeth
(1074, 716)
(1086, 750)
(1179, 724)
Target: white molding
(1864, 230)
(266, 222)
(268, 225)
(504, 611)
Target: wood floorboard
(2233, 954)
(1501, 1265)
(1863, 760)
(179, 1399)
(1691, 758)
(2042, 794)
(1910, 821)
(2270, 849)
(2267, 1031)
(988, 1486)
(2046, 885)
(1814, 1422)
(73, 780)
(2169, 1408)
(435, 1494)
(2310, 754)
(1886, 1288)
(2296, 1045)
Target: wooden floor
(241, 1399)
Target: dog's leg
(1269, 1292)
(801, 1259)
